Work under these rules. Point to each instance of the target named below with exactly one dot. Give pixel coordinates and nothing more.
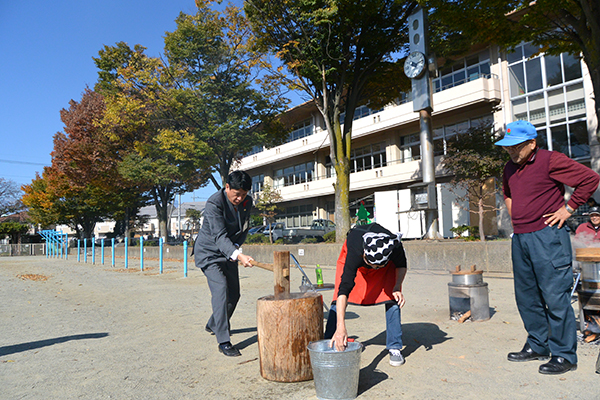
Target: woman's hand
(339, 339)
(399, 297)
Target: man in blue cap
(534, 192)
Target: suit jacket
(223, 229)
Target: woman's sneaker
(396, 358)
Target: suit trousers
(543, 279)
(224, 284)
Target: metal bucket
(467, 279)
(335, 372)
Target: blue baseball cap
(517, 132)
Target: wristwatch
(569, 209)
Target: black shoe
(527, 354)
(207, 329)
(229, 350)
(557, 365)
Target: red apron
(371, 286)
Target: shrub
(472, 231)
(257, 238)
(329, 237)
(309, 240)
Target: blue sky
(46, 53)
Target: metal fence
(27, 249)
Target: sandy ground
(101, 332)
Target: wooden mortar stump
(286, 324)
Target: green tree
(474, 161)
(195, 218)
(267, 203)
(555, 26)
(343, 54)
(142, 120)
(229, 104)
(14, 230)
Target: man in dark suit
(217, 252)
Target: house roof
(22, 217)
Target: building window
(258, 183)
(294, 175)
(360, 112)
(255, 150)
(368, 157)
(329, 169)
(411, 144)
(548, 92)
(296, 216)
(410, 148)
(464, 70)
(300, 130)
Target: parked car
(318, 228)
(256, 229)
(277, 229)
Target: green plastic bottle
(319, 275)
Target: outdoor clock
(415, 64)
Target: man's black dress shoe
(557, 365)
(527, 354)
(207, 329)
(229, 350)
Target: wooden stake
(281, 273)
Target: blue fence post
(113, 251)
(66, 244)
(102, 246)
(126, 248)
(185, 258)
(85, 250)
(141, 253)
(78, 250)
(160, 254)
(93, 250)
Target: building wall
(462, 104)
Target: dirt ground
(100, 332)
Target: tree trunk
(285, 327)
(162, 195)
(341, 159)
(481, 230)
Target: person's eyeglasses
(517, 147)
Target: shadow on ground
(18, 348)
(414, 335)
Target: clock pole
(422, 92)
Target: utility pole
(420, 66)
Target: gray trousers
(224, 283)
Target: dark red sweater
(537, 187)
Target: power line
(22, 162)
